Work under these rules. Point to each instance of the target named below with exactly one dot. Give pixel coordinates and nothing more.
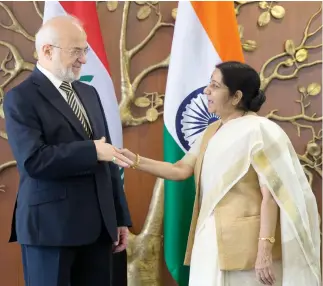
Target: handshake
(106, 152)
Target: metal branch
(313, 152)
(309, 175)
(310, 164)
(239, 6)
(38, 10)
(3, 167)
(124, 26)
(3, 135)
(163, 64)
(276, 75)
(312, 47)
(7, 165)
(316, 31)
(299, 126)
(5, 61)
(20, 64)
(274, 116)
(145, 261)
(15, 26)
(128, 88)
(284, 77)
(306, 34)
(263, 68)
(130, 120)
(151, 34)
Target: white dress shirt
(53, 79)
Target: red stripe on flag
(86, 12)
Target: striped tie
(72, 101)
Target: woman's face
(219, 100)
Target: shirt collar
(53, 79)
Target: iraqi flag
(97, 73)
(206, 33)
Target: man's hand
(122, 242)
(107, 152)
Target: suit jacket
(65, 195)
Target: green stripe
(179, 199)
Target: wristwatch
(270, 239)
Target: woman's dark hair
(239, 76)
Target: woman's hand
(127, 153)
(264, 264)
(106, 152)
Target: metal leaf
(159, 102)
(143, 12)
(278, 12)
(314, 89)
(152, 114)
(301, 55)
(264, 18)
(142, 102)
(263, 5)
(249, 45)
(313, 149)
(289, 62)
(174, 13)
(140, 2)
(112, 5)
(301, 89)
(290, 47)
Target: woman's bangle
(136, 164)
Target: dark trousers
(88, 265)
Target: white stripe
(101, 81)
(193, 58)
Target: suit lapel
(89, 106)
(49, 91)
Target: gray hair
(47, 34)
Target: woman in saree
(255, 218)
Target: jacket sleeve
(40, 160)
(120, 202)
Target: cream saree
(256, 141)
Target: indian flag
(96, 71)
(206, 33)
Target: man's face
(68, 56)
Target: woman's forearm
(268, 217)
(165, 170)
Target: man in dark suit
(71, 212)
